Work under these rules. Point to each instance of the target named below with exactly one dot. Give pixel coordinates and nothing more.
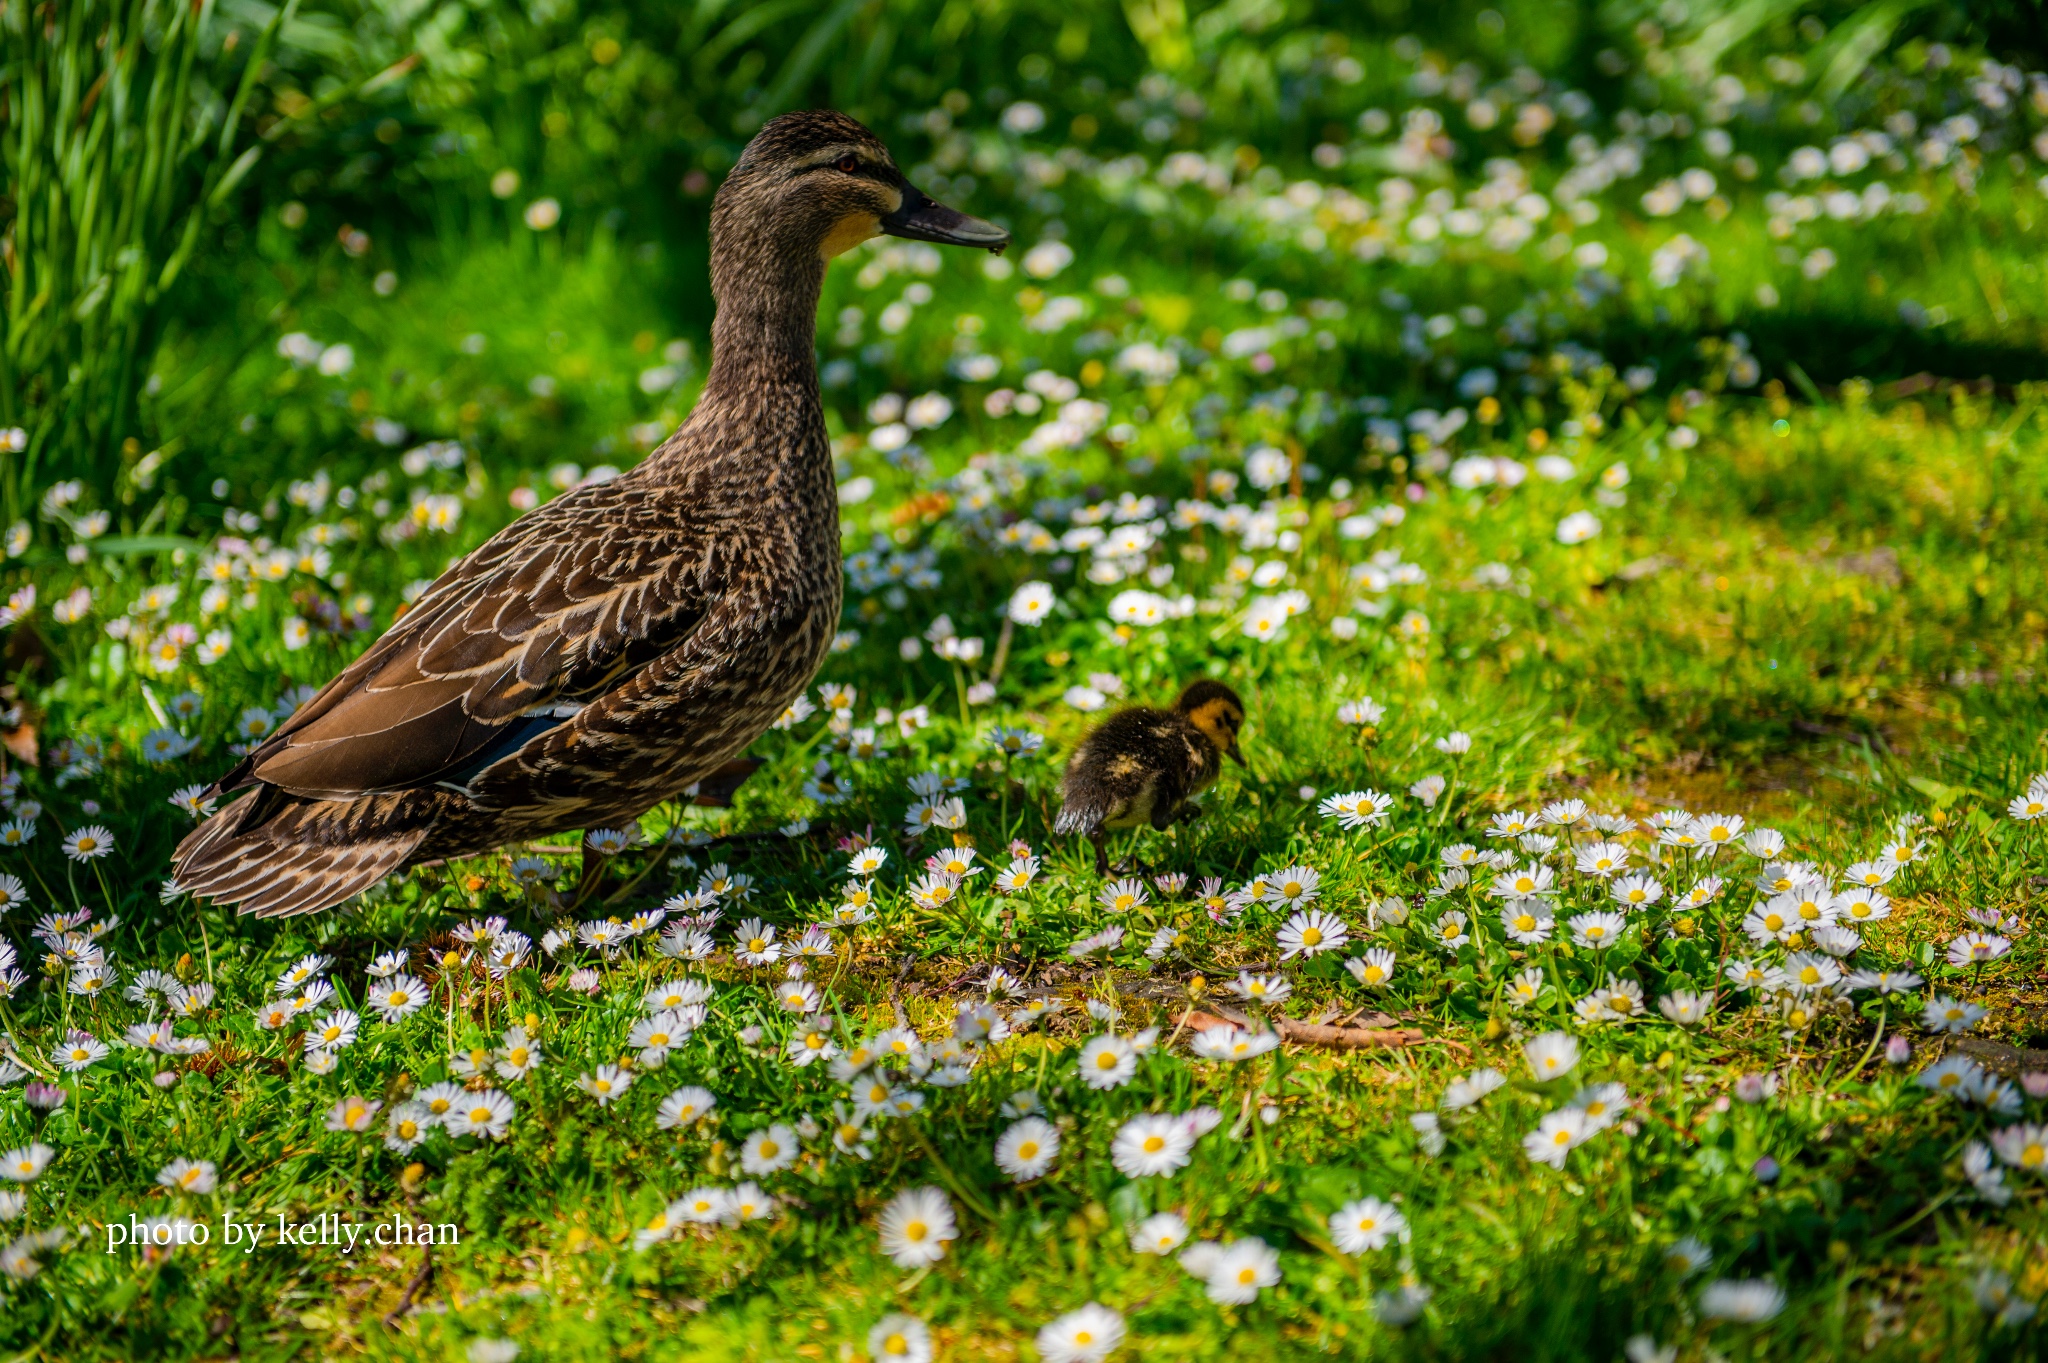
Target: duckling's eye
(849, 164)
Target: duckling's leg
(1099, 835)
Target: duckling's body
(1143, 765)
(606, 651)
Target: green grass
(1813, 600)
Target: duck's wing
(558, 608)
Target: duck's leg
(593, 872)
(1100, 836)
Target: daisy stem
(1883, 1010)
(37, 872)
(205, 942)
(951, 1180)
(633, 884)
(1004, 815)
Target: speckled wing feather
(557, 609)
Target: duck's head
(818, 182)
(1217, 714)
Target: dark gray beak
(1235, 755)
(922, 218)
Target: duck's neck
(764, 367)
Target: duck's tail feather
(1079, 817)
(275, 854)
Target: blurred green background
(185, 178)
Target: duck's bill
(922, 218)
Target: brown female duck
(606, 651)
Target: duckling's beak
(923, 218)
(1234, 754)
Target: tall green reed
(126, 127)
(120, 130)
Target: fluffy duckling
(1144, 765)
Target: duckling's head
(1216, 713)
(816, 184)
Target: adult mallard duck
(606, 651)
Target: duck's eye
(849, 164)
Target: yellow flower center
(915, 1232)
(1028, 1150)
(1154, 1144)
(769, 1150)
(1311, 936)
